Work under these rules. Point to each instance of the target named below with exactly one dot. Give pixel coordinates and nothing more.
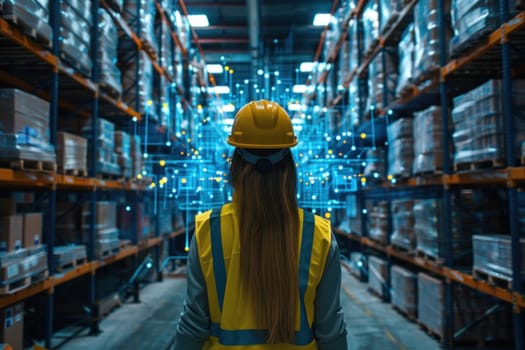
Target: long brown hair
(269, 227)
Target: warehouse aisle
(372, 324)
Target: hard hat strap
(256, 160)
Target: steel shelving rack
(27, 65)
(498, 55)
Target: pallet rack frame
(511, 177)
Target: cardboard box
(12, 319)
(11, 228)
(32, 230)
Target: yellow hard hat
(262, 125)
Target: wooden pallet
(39, 276)
(106, 253)
(28, 30)
(433, 172)
(73, 264)
(73, 172)
(110, 90)
(376, 294)
(411, 316)
(430, 74)
(479, 165)
(14, 286)
(498, 281)
(439, 337)
(428, 257)
(148, 47)
(30, 165)
(124, 243)
(402, 249)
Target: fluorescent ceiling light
(219, 89)
(214, 68)
(307, 67)
(299, 88)
(294, 107)
(230, 107)
(198, 20)
(322, 19)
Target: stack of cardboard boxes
(23, 260)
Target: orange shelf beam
(81, 270)
(121, 105)
(26, 178)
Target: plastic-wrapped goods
(428, 141)
(404, 290)
(110, 77)
(71, 153)
(123, 150)
(332, 34)
(106, 157)
(493, 256)
(106, 231)
(428, 226)
(344, 64)
(143, 11)
(400, 129)
(406, 53)
(75, 34)
(163, 32)
(378, 276)
(116, 5)
(479, 123)
(389, 11)
(24, 127)
(138, 90)
(403, 234)
(473, 20)
(469, 306)
(370, 18)
(375, 163)
(31, 14)
(426, 31)
(136, 156)
(401, 147)
(378, 222)
(382, 71)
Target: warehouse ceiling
(248, 35)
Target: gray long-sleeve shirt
(329, 325)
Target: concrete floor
(372, 324)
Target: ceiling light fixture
(198, 20)
(322, 19)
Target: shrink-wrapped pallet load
(378, 276)
(406, 54)
(404, 290)
(378, 222)
(428, 141)
(31, 15)
(110, 77)
(75, 35)
(403, 235)
(479, 129)
(71, 154)
(401, 147)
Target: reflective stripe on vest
(258, 336)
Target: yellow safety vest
(232, 327)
